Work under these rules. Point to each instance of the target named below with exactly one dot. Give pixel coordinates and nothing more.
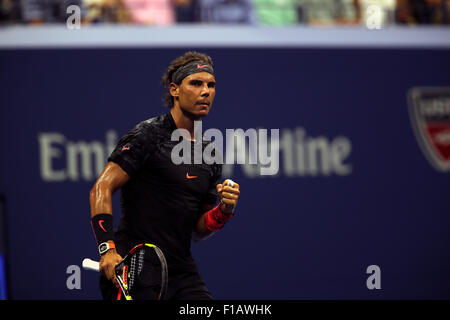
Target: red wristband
(215, 219)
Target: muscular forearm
(100, 199)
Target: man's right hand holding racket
(108, 263)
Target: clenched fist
(228, 193)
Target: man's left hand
(228, 193)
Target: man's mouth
(203, 103)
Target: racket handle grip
(89, 264)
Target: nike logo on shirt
(190, 177)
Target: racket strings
(146, 271)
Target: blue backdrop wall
(367, 197)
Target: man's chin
(196, 114)
(200, 113)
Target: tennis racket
(144, 267)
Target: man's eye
(211, 85)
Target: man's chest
(186, 177)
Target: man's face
(195, 94)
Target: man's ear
(174, 89)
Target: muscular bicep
(111, 179)
(113, 176)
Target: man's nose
(205, 91)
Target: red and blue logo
(429, 109)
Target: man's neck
(183, 120)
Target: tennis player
(163, 203)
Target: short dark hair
(175, 65)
